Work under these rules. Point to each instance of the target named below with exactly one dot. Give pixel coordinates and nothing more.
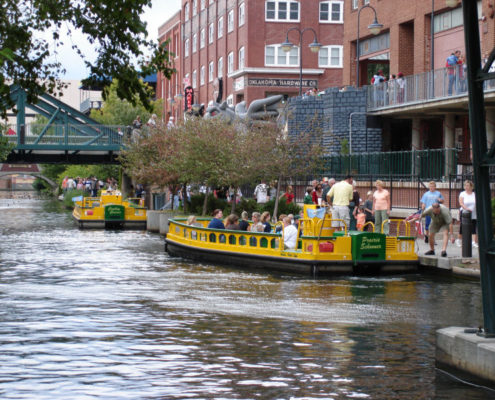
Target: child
(308, 199)
(360, 218)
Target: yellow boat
(110, 211)
(320, 248)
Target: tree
(288, 156)
(116, 111)
(113, 27)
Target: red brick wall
(254, 35)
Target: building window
(186, 12)
(355, 4)
(202, 39)
(186, 79)
(186, 48)
(332, 11)
(241, 58)
(330, 57)
(194, 43)
(230, 63)
(203, 4)
(366, 1)
(230, 100)
(279, 10)
(211, 33)
(210, 71)
(212, 1)
(275, 55)
(194, 79)
(194, 7)
(220, 67)
(202, 75)
(220, 27)
(451, 19)
(230, 21)
(241, 14)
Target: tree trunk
(184, 197)
(205, 202)
(275, 209)
(234, 200)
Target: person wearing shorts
(441, 221)
(341, 194)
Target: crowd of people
(350, 211)
(90, 184)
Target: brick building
(404, 43)
(240, 41)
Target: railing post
(22, 135)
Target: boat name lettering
(370, 243)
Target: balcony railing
(427, 164)
(434, 85)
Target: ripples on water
(103, 314)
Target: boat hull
(286, 264)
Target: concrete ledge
(465, 267)
(153, 220)
(466, 352)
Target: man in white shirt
(261, 193)
(290, 234)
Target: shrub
(69, 194)
(283, 207)
(196, 204)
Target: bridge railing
(68, 135)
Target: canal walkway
(454, 262)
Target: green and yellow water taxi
(110, 210)
(321, 249)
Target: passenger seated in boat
(191, 220)
(256, 226)
(265, 220)
(216, 222)
(290, 234)
(232, 223)
(244, 224)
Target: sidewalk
(454, 262)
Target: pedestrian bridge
(69, 136)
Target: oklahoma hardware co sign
(281, 82)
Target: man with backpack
(451, 66)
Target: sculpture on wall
(258, 110)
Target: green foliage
(100, 171)
(68, 203)
(196, 204)
(122, 112)
(5, 148)
(283, 207)
(53, 171)
(42, 187)
(113, 28)
(344, 146)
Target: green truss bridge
(69, 136)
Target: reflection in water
(102, 314)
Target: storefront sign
(281, 82)
(239, 84)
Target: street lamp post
(287, 46)
(374, 28)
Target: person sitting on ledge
(216, 222)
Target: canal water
(108, 315)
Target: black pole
(467, 250)
(481, 163)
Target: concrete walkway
(454, 262)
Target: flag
(318, 213)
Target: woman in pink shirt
(381, 207)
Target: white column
(448, 141)
(415, 144)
